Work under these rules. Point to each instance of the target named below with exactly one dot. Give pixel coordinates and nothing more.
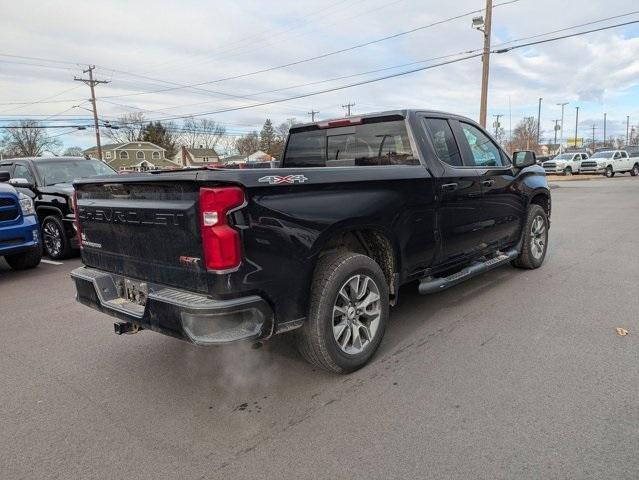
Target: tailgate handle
(449, 187)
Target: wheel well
(543, 201)
(371, 243)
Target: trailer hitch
(122, 328)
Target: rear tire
(535, 242)
(54, 238)
(609, 172)
(23, 261)
(347, 317)
(635, 170)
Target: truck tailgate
(148, 231)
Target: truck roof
(404, 113)
(42, 159)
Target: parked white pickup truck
(610, 162)
(566, 163)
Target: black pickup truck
(359, 207)
(47, 181)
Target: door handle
(488, 183)
(449, 187)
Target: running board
(437, 284)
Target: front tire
(635, 170)
(54, 238)
(535, 242)
(348, 313)
(609, 172)
(567, 171)
(23, 261)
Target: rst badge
(282, 180)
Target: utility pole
(312, 113)
(539, 120)
(593, 136)
(92, 83)
(556, 128)
(348, 108)
(627, 128)
(604, 135)
(576, 126)
(485, 59)
(496, 124)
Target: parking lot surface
(514, 374)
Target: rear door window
(369, 144)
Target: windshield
(607, 154)
(564, 156)
(65, 171)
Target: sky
(149, 50)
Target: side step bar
(437, 284)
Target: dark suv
(47, 181)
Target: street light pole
(556, 128)
(627, 128)
(563, 105)
(539, 120)
(604, 136)
(576, 126)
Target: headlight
(26, 204)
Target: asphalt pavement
(513, 374)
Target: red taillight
(220, 241)
(77, 218)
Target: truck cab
(611, 162)
(19, 230)
(565, 163)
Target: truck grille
(588, 164)
(550, 165)
(9, 209)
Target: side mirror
(524, 158)
(21, 183)
(4, 176)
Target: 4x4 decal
(286, 179)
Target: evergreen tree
(160, 135)
(267, 137)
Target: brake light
(76, 214)
(342, 122)
(220, 241)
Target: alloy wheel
(538, 237)
(356, 314)
(52, 237)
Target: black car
(321, 245)
(47, 181)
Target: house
(196, 157)
(133, 156)
(259, 156)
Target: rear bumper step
(192, 317)
(437, 284)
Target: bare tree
(524, 136)
(74, 152)
(202, 132)
(248, 144)
(227, 144)
(281, 134)
(130, 127)
(28, 139)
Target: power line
(398, 74)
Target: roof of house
(202, 152)
(233, 158)
(115, 146)
(118, 163)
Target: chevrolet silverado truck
(47, 181)
(19, 230)
(321, 245)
